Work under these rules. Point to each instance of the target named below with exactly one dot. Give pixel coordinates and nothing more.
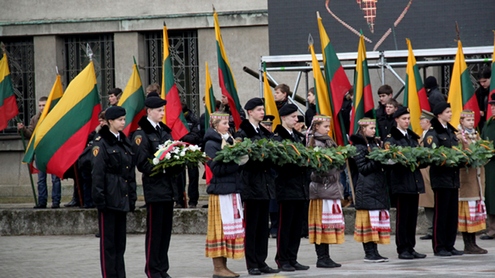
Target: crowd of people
(251, 201)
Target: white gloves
(243, 160)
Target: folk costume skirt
(216, 244)
(363, 231)
(466, 222)
(318, 234)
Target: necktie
(295, 137)
(258, 130)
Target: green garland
(477, 155)
(287, 152)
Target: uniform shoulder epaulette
(390, 135)
(139, 128)
(98, 138)
(431, 127)
(275, 134)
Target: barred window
(20, 52)
(76, 59)
(184, 56)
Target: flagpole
(29, 169)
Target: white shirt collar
(153, 123)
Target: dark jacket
(434, 97)
(482, 97)
(291, 182)
(385, 125)
(310, 113)
(368, 176)
(114, 185)
(226, 176)
(402, 180)
(257, 181)
(442, 176)
(380, 111)
(146, 139)
(194, 135)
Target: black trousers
(159, 229)
(256, 216)
(192, 188)
(289, 231)
(445, 218)
(405, 225)
(112, 224)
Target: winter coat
(226, 176)
(291, 182)
(28, 130)
(194, 135)
(328, 183)
(146, 140)
(370, 185)
(442, 176)
(434, 97)
(310, 113)
(470, 189)
(114, 185)
(402, 180)
(258, 182)
(385, 124)
(489, 134)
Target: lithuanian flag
(226, 76)
(62, 135)
(323, 106)
(174, 118)
(461, 91)
(8, 104)
(53, 98)
(414, 93)
(270, 105)
(362, 102)
(209, 97)
(133, 101)
(337, 84)
(492, 83)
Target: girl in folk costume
(372, 224)
(472, 212)
(225, 235)
(326, 221)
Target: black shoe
(273, 235)
(406, 256)
(418, 255)
(327, 263)
(486, 237)
(287, 267)
(167, 276)
(268, 269)
(72, 203)
(254, 271)
(40, 207)
(443, 253)
(97, 234)
(426, 237)
(55, 206)
(456, 252)
(299, 266)
(89, 206)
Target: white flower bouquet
(176, 153)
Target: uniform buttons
(113, 150)
(125, 180)
(127, 167)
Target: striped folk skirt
(317, 233)
(466, 224)
(216, 244)
(363, 231)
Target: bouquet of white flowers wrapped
(177, 153)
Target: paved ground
(77, 256)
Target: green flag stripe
(6, 89)
(466, 86)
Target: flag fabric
(62, 135)
(414, 93)
(362, 102)
(8, 103)
(53, 98)
(210, 100)
(226, 76)
(174, 117)
(461, 91)
(337, 84)
(322, 97)
(492, 84)
(132, 100)
(270, 105)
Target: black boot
(384, 259)
(370, 254)
(324, 260)
(470, 246)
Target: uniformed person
(114, 190)
(291, 193)
(258, 189)
(444, 182)
(158, 191)
(406, 187)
